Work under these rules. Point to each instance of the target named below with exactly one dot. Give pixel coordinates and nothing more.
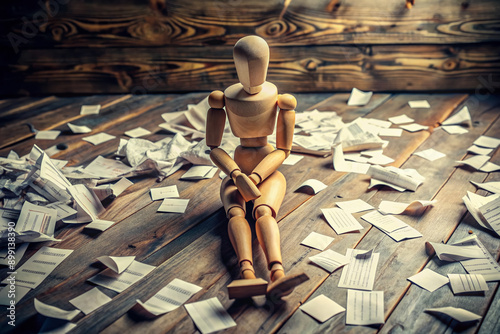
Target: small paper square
(356, 205)
(322, 308)
(414, 127)
(401, 119)
(90, 301)
(90, 109)
(429, 280)
(99, 138)
(419, 104)
(430, 154)
(137, 132)
(47, 135)
(292, 159)
(317, 241)
(173, 205)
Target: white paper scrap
(454, 253)
(341, 221)
(479, 150)
(386, 223)
(39, 266)
(475, 162)
(492, 187)
(359, 98)
(317, 241)
(380, 159)
(365, 307)
(459, 314)
(164, 192)
(209, 315)
(360, 272)
(401, 119)
(120, 282)
(395, 177)
(419, 104)
(199, 172)
(488, 267)
(329, 260)
(390, 132)
(137, 132)
(99, 138)
(90, 109)
(397, 208)
(173, 205)
(168, 298)
(116, 263)
(322, 308)
(90, 301)
(454, 129)
(429, 280)
(463, 283)
(292, 159)
(430, 154)
(490, 211)
(460, 118)
(99, 225)
(414, 127)
(79, 128)
(315, 185)
(488, 142)
(47, 135)
(54, 312)
(356, 205)
(340, 165)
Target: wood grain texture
(95, 23)
(297, 69)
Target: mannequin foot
(248, 286)
(284, 286)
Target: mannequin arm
(284, 139)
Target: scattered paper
(429, 280)
(475, 202)
(99, 225)
(340, 165)
(419, 104)
(329, 260)
(387, 223)
(89, 207)
(401, 119)
(356, 205)
(101, 167)
(90, 109)
(164, 192)
(463, 283)
(39, 266)
(453, 253)
(399, 179)
(36, 223)
(359, 273)
(54, 312)
(315, 185)
(116, 263)
(359, 98)
(488, 142)
(199, 173)
(479, 150)
(430, 154)
(397, 208)
(380, 159)
(475, 162)
(454, 129)
(99, 138)
(79, 128)
(47, 135)
(459, 314)
(460, 118)
(414, 127)
(341, 221)
(292, 159)
(173, 205)
(354, 138)
(120, 282)
(322, 308)
(137, 132)
(317, 241)
(490, 212)
(209, 315)
(488, 267)
(167, 299)
(90, 301)
(365, 307)
(390, 132)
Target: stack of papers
(484, 210)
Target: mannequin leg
(238, 227)
(266, 207)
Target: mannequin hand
(246, 187)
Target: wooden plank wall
(132, 46)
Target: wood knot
(450, 64)
(310, 64)
(276, 28)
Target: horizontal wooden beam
(81, 23)
(292, 69)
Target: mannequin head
(251, 57)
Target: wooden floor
(195, 247)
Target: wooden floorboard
(195, 246)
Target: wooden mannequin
(251, 108)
